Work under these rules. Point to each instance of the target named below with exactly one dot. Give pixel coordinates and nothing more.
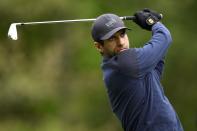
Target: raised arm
(154, 50)
(138, 61)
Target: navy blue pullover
(132, 78)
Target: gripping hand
(146, 18)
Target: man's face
(115, 44)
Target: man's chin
(116, 52)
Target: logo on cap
(110, 23)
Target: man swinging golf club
(132, 75)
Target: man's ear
(99, 46)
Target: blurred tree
(50, 79)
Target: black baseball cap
(105, 26)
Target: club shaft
(71, 21)
(59, 21)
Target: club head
(12, 32)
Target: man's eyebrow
(112, 36)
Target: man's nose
(120, 41)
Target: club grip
(161, 16)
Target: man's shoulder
(123, 56)
(125, 62)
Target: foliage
(50, 79)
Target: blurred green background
(50, 78)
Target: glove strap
(150, 21)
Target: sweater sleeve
(138, 61)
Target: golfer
(132, 75)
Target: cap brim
(111, 33)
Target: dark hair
(101, 42)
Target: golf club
(12, 32)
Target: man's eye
(122, 34)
